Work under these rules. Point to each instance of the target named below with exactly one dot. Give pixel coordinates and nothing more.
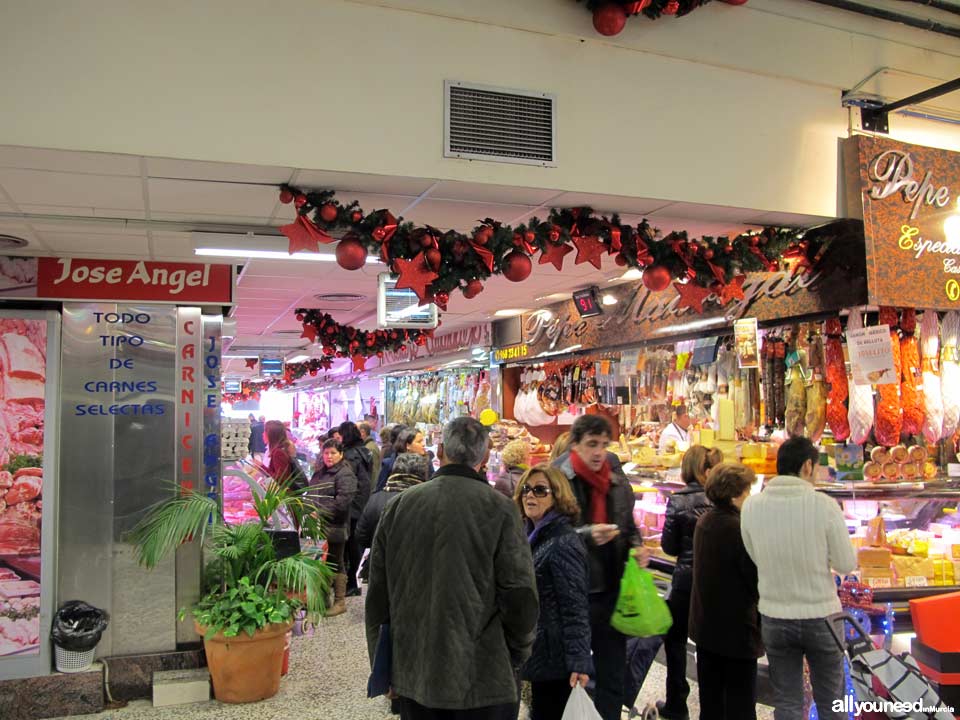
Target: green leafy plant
(247, 586)
(18, 462)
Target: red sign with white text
(132, 280)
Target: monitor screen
(271, 366)
(232, 386)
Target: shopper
(409, 469)
(408, 440)
(795, 535)
(256, 445)
(606, 501)
(366, 432)
(390, 436)
(561, 446)
(454, 548)
(561, 651)
(684, 508)
(278, 456)
(361, 462)
(515, 460)
(724, 620)
(333, 487)
(676, 435)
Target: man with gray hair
(452, 575)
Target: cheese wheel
(918, 454)
(872, 470)
(899, 454)
(891, 471)
(880, 454)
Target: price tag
(880, 582)
(916, 581)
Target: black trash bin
(77, 628)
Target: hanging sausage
(889, 420)
(860, 414)
(933, 399)
(816, 418)
(836, 374)
(950, 371)
(795, 412)
(911, 392)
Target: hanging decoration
(610, 16)
(344, 341)
(433, 263)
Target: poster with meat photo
(22, 378)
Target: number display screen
(586, 303)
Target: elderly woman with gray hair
(409, 469)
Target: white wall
(729, 106)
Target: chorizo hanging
(836, 375)
(889, 420)
(932, 395)
(860, 414)
(911, 391)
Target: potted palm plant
(251, 594)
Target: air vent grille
(330, 298)
(497, 124)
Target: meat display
(795, 413)
(860, 414)
(889, 420)
(950, 373)
(911, 392)
(932, 396)
(836, 374)
(816, 418)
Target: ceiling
(124, 206)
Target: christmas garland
(434, 263)
(610, 16)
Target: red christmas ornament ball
(300, 317)
(356, 216)
(754, 241)
(728, 249)
(426, 241)
(708, 254)
(517, 266)
(433, 258)
(328, 213)
(371, 342)
(482, 236)
(442, 297)
(403, 348)
(331, 330)
(300, 200)
(694, 248)
(351, 254)
(313, 372)
(379, 353)
(672, 8)
(286, 196)
(620, 260)
(609, 19)
(327, 350)
(473, 288)
(656, 278)
(379, 234)
(529, 236)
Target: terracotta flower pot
(243, 668)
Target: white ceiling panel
(608, 203)
(77, 243)
(224, 172)
(68, 161)
(40, 187)
(66, 211)
(211, 198)
(786, 219)
(693, 211)
(6, 208)
(458, 215)
(175, 245)
(344, 182)
(119, 213)
(101, 227)
(482, 192)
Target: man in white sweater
(795, 535)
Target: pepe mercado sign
(644, 316)
(906, 195)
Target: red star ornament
(309, 332)
(304, 236)
(415, 275)
(251, 363)
(589, 249)
(691, 295)
(733, 290)
(359, 363)
(554, 253)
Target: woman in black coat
(358, 456)
(683, 511)
(724, 620)
(561, 652)
(409, 469)
(332, 488)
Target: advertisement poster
(871, 355)
(22, 375)
(747, 341)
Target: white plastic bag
(580, 706)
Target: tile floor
(327, 681)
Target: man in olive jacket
(452, 574)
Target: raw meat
(25, 488)
(889, 420)
(21, 390)
(816, 418)
(860, 414)
(20, 358)
(932, 395)
(18, 536)
(911, 392)
(950, 374)
(836, 375)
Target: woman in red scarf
(606, 500)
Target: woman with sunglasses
(561, 651)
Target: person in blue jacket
(561, 652)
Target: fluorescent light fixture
(548, 353)
(298, 359)
(632, 274)
(553, 296)
(510, 312)
(479, 351)
(692, 325)
(270, 255)
(609, 299)
(256, 247)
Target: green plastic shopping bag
(640, 611)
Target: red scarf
(599, 483)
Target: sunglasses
(540, 491)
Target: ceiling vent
(402, 308)
(8, 242)
(499, 124)
(341, 298)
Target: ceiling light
(609, 299)
(479, 351)
(510, 312)
(545, 314)
(270, 255)
(632, 274)
(552, 296)
(298, 359)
